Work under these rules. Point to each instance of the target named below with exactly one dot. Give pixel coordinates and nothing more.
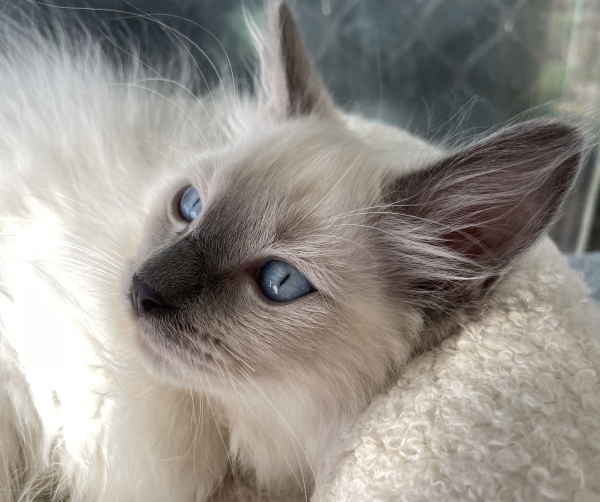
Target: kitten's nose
(146, 301)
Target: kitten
(292, 263)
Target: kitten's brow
(328, 192)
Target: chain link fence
(443, 69)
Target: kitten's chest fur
(275, 441)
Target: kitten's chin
(163, 364)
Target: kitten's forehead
(302, 163)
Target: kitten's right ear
(290, 84)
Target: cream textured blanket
(509, 409)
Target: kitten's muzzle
(145, 300)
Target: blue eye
(190, 204)
(281, 282)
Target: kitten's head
(305, 258)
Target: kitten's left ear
(453, 229)
(290, 84)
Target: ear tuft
(290, 84)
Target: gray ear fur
(455, 228)
(290, 84)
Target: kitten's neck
(280, 436)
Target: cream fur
(90, 160)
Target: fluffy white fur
(84, 151)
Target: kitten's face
(389, 262)
(294, 193)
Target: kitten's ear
(464, 220)
(290, 84)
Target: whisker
(108, 268)
(173, 82)
(92, 223)
(81, 266)
(170, 101)
(286, 424)
(216, 39)
(329, 236)
(136, 58)
(116, 266)
(33, 263)
(301, 485)
(217, 425)
(177, 33)
(237, 357)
